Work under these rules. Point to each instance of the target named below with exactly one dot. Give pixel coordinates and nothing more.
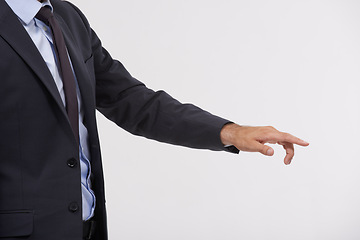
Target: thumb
(264, 149)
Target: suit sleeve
(152, 114)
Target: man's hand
(253, 139)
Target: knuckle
(271, 128)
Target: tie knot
(44, 14)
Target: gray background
(290, 64)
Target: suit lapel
(16, 36)
(12, 31)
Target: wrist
(227, 133)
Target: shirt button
(73, 207)
(72, 162)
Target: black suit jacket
(40, 192)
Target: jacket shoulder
(70, 13)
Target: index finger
(285, 137)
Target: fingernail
(269, 151)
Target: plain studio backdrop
(287, 63)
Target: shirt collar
(27, 9)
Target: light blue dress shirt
(42, 38)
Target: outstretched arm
(253, 139)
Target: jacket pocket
(89, 62)
(16, 223)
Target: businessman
(54, 74)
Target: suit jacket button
(73, 207)
(72, 162)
